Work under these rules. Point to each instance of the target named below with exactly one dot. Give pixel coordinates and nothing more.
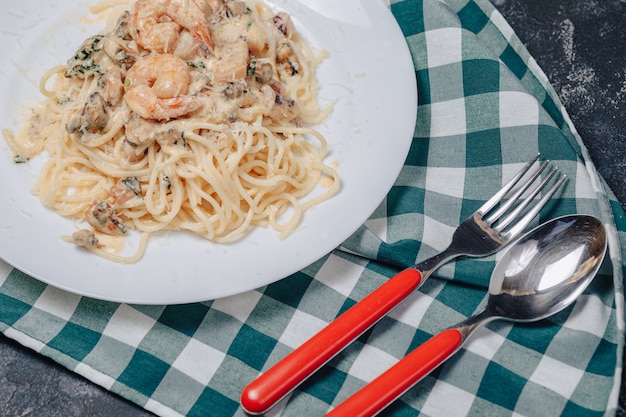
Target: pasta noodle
(184, 115)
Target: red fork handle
(382, 391)
(268, 389)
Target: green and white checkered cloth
(484, 109)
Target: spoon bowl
(547, 269)
(542, 273)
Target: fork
(490, 228)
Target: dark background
(580, 45)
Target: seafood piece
(232, 63)
(234, 90)
(102, 217)
(119, 44)
(219, 107)
(186, 47)
(84, 238)
(214, 5)
(257, 39)
(132, 152)
(141, 133)
(92, 118)
(235, 26)
(111, 86)
(156, 24)
(285, 108)
(287, 58)
(260, 71)
(235, 8)
(120, 52)
(125, 189)
(122, 27)
(282, 22)
(157, 88)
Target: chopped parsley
(182, 141)
(197, 64)
(83, 64)
(133, 184)
(251, 68)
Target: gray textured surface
(581, 46)
(33, 386)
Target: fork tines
(515, 204)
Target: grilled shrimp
(156, 24)
(157, 88)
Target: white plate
(369, 72)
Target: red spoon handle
(264, 392)
(375, 396)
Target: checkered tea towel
(484, 109)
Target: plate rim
(59, 282)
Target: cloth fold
(485, 108)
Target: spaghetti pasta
(185, 115)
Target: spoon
(541, 274)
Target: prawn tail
(172, 108)
(203, 37)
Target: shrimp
(157, 88)
(156, 24)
